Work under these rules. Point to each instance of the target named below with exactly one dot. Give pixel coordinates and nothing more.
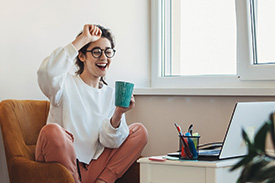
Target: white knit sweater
(82, 110)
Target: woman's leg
(113, 163)
(54, 144)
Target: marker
(191, 146)
(195, 140)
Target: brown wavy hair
(106, 33)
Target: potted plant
(258, 165)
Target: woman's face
(96, 67)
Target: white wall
(32, 29)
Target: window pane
(265, 16)
(207, 34)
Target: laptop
(249, 116)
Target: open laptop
(249, 116)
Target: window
(254, 25)
(202, 37)
(213, 43)
(263, 15)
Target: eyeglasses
(97, 52)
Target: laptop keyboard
(210, 152)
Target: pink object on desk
(156, 158)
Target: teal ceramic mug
(123, 93)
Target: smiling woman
(83, 119)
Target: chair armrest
(24, 170)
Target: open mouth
(101, 66)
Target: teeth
(101, 65)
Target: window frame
(246, 68)
(243, 79)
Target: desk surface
(196, 163)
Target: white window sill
(207, 91)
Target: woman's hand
(116, 119)
(89, 34)
(131, 106)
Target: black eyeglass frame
(102, 50)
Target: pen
(179, 129)
(186, 148)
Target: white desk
(172, 171)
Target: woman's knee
(53, 134)
(140, 131)
(51, 130)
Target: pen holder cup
(188, 147)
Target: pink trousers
(55, 144)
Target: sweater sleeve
(111, 137)
(53, 71)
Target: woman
(85, 131)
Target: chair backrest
(21, 121)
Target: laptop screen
(249, 116)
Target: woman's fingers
(91, 32)
(95, 31)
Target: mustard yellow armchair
(21, 121)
